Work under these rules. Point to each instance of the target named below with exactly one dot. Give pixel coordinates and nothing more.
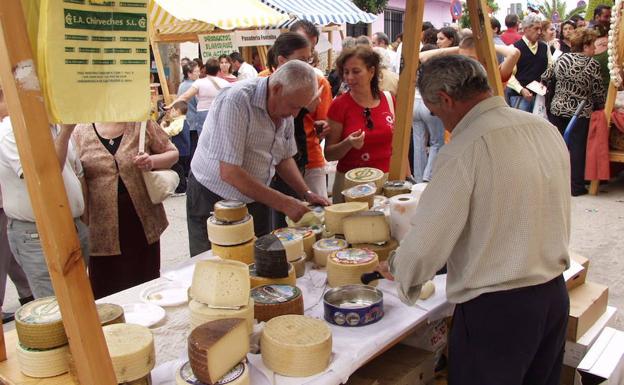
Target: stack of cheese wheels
(272, 255)
(396, 187)
(239, 375)
(365, 175)
(308, 236)
(216, 348)
(314, 217)
(345, 267)
(256, 280)
(334, 215)
(42, 350)
(131, 348)
(231, 231)
(366, 227)
(292, 242)
(382, 250)
(275, 300)
(326, 247)
(296, 345)
(220, 290)
(361, 193)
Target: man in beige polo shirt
(497, 213)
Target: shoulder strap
(142, 137)
(390, 102)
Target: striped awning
(193, 16)
(322, 12)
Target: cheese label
(353, 256)
(229, 204)
(304, 232)
(331, 244)
(364, 174)
(40, 311)
(397, 185)
(360, 191)
(215, 221)
(287, 236)
(187, 375)
(273, 294)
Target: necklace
(111, 142)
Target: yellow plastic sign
(93, 60)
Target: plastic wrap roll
(418, 189)
(402, 209)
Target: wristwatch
(306, 195)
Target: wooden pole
(484, 42)
(55, 224)
(330, 53)
(414, 13)
(263, 53)
(161, 71)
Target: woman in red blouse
(361, 120)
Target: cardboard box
(401, 365)
(575, 275)
(580, 259)
(588, 302)
(431, 337)
(575, 351)
(569, 376)
(604, 363)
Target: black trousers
(199, 207)
(577, 146)
(513, 337)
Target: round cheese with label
(201, 313)
(239, 375)
(365, 175)
(382, 250)
(345, 267)
(243, 252)
(39, 325)
(42, 363)
(255, 280)
(325, 247)
(292, 241)
(275, 300)
(230, 211)
(361, 193)
(230, 234)
(307, 233)
(396, 187)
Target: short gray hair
(458, 76)
(382, 36)
(294, 76)
(530, 19)
(348, 42)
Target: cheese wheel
(292, 242)
(380, 200)
(242, 253)
(239, 375)
(325, 247)
(296, 345)
(131, 348)
(230, 211)
(314, 217)
(382, 250)
(39, 325)
(230, 234)
(299, 266)
(318, 232)
(396, 187)
(307, 233)
(366, 227)
(221, 283)
(110, 313)
(345, 267)
(255, 280)
(334, 215)
(361, 193)
(201, 313)
(365, 175)
(147, 380)
(427, 290)
(42, 363)
(216, 347)
(270, 257)
(271, 301)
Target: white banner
(255, 37)
(216, 44)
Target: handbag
(160, 184)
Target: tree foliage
(464, 21)
(548, 8)
(371, 6)
(592, 4)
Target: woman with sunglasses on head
(361, 120)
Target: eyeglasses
(369, 121)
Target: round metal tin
(353, 305)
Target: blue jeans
(424, 123)
(26, 247)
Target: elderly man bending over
(497, 212)
(247, 137)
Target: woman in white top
(205, 90)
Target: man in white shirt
(22, 231)
(380, 39)
(242, 68)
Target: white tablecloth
(352, 347)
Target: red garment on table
(597, 157)
(377, 148)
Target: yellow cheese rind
(325, 247)
(43, 363)
(221, 283)
(361, 193)
(334, 215)
(230, 234)
(201, 313)
(39, 325)
(292, 242)
(299, 265)
(230, 211)
(346, 267)
(363, 175)
(382, 250)
(296, 345)
(366, 227)
(242, 253)
(131, 348)
(255, 280)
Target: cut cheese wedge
(43, 363)
(296, 345)
(201, 313)
(334, 215)
(346, 267)
(221, 283)
(293, 243)
(216, 347)
(366, 227)
(242, 253)
(230, 211)
(314, 217)
(131, 348)
(230, 234)
(307, 233)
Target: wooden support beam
(263, 53)
(55, 224)
(414, 13)
(330, 53)
(177, 38)
(160, 67)
(484, 42)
